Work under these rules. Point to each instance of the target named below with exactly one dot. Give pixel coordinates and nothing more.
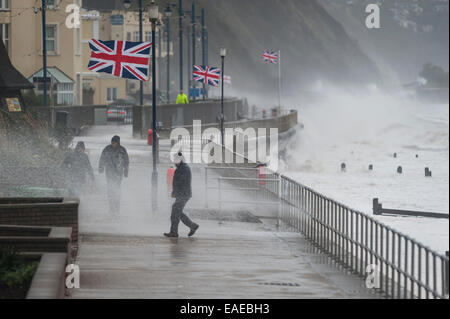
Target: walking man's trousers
(113, 186)
(177, 215)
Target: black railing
(404, 268)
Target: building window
(148, 36)
(52, 38)
(4, 5)
(128, 36)
(4, 34)
(52, 4)
(65, 94)
(111, 94)
(136, 36)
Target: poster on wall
(13, 104)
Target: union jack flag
(120, 58)
(270, 57)
(207, 75)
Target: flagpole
(279, 79)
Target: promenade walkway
(127, 256)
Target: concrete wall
(63, 214)
(173, 115)
(78, 116)
(283, 122)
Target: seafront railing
(400, 266)
(391, 262)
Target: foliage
(435, 76)
(15, 274)
(25, 140)
(31, 99)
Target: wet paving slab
(127, 256)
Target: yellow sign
(13, 104)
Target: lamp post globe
(223, 52)
(153, 12)
(127, 4)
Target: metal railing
(404, 268)
(253, 185)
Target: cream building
(68, 48)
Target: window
(65, 94)
(4, 5)
(128, 36)
(52, 4)
(136, 36)
(52, 38)
(111, 94)
(4, 34)
(148, 36)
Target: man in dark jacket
(114, 162)
(182, 192)
(77, 167)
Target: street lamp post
(168, 13)
(223, 54)
(154, 15)
(193, 39)
(127, 5)
(44, 50)
(180, 14)
(159, 26)
(204, 49)
(189, 65)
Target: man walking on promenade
(114, 160)
(182, 192)
(77, 167)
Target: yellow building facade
(68, 49)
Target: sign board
(13, 104)
(194, 92)
(41, 79)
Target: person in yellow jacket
(182, 98)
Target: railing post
(206, 186)
(446, 275)
(377, 208)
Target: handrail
(405, 267)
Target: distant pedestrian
(77, 167)
(182, 98)
(114, 162)
(182, 192)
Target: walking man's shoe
(171, 235)
(193, 230)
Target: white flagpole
(279, 79)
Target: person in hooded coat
(114, 162)
(182, 192)
(77, 168)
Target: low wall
(173, 115)
(49, 280)
(62, 214)
(78, 116)
(283, 122)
